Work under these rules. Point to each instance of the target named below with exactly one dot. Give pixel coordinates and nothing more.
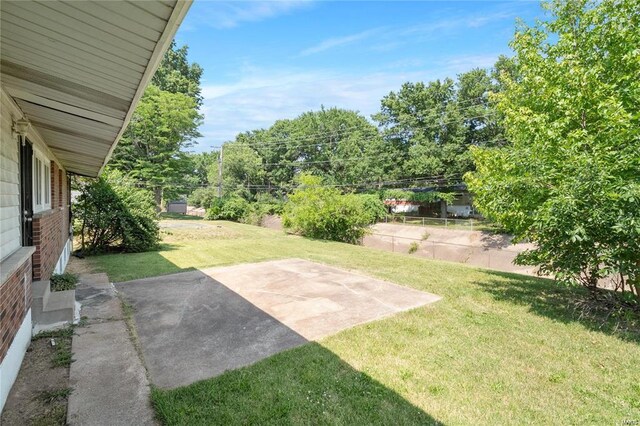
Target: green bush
(373, 206)
(112, 213)
(323, 212)
(62, 282)
(203, 197)
(232, 207)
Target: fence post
(471, 220)
(404, 219)
(445, 222)
(423, 221)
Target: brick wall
(51, 228)
(15, 301)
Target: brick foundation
(15, 301)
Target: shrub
(264, 205)
(373, 206)
(318, 211)
(413, 247)
(62, 282)
(233, 208)
(203, 197)
(112, 213)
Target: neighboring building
(177, 207)
(71, 76)
(402, 206)
(462, 205)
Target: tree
(241, 168)
(152, 150)
(339, 145)
(176, 75)
(570, 180)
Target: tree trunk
(443, 208)
(157, 195)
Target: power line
(337, 132)
(294, 163)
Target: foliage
(241, 168)
(339, 145)
(413, 247)
(232, 207)
(264, 205)
(203, 197)
(570, 182)
(62, 282)
(112, 213)
(152, 150)
(323, 212)
(373, 207)
(429, 126)
(202, 163)
(176, 75)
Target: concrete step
(51, 310)
(40, 291)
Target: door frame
(26, 191)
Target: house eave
(77, 70)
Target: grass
(497, 349)
(63, 357)
(55, 395)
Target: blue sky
(268, 60)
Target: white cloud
(229, 14)
(339, 41)
(388, 39)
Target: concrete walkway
(109, 381)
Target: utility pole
(220, 172)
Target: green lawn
(498, 349)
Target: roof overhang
(78, 69)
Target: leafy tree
(318, 211)
(152, 149)
(570, 181)
(241, 168)
(424, 127)
(176, 75)
(112, 213)
(202, 163)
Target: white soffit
(77, 69)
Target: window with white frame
(41, 183)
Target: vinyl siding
(9, 186)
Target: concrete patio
(196, 325)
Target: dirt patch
(272, 222)
(79, 266)
(40, 394)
